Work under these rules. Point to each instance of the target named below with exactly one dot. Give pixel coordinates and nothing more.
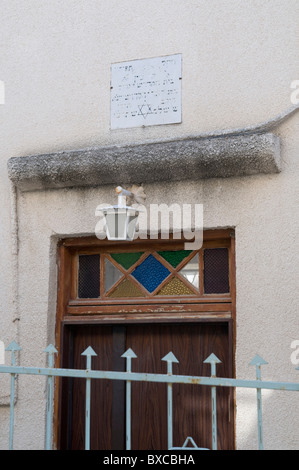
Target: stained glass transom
(150, 273)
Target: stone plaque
(146, 92)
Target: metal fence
(169, 379)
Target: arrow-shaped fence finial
(213, 360)
(13, 347)
(129, 355)
(170, 359)
(258, 361)
(89, 352)
(50, 350)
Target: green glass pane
(126, 289)
(126, 260)
(112, 274)
(174, 257)
(175, 287)
(191, 271)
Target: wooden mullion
(216, 243)
(140, 286)
(64, 293)
(207, 298)
(163, 261)
(131, 268)
(147, 318)
(159, 307)
(182, 278)
(166, 264)
(139, 261)
(201, 273)
(102, 275)
(187, 283)
(232, 281)
(74, 276)
(163, 283)
(127, 275)
(175, 273)
(156, 245)
(93, 241)
(186, 260)
(116, 264)
(231, 269)
(114, 286)
(131, 279)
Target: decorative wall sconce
(121, 219)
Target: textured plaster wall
(239, 59)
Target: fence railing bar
(88, 374)
(160, 378)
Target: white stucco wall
(239, 59)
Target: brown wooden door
(191, 343)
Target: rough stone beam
(185, 159)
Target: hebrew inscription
(146, 92)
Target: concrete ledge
(192, 158)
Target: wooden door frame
(210, 309)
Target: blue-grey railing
(169, 379)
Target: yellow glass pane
(126, 289)
(175, 287)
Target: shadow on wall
(279, 420)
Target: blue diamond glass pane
(150, 273)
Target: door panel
(191, 343)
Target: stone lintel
(161, 161)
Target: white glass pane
(112, 274)
(191, 271)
